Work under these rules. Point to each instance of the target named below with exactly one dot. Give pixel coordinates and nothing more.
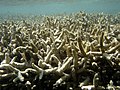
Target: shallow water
(37, 7)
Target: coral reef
(71, 52)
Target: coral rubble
(71, 52)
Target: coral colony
(66, 52)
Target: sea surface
(48, 7)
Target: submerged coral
(71, 52)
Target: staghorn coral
(70, 52)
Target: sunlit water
(40, 7)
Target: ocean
(48, 7)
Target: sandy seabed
(78, 51)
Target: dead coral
(74, 52)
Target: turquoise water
(37, 7)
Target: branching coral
(74, 52)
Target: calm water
(36, 7)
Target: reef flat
(71, 52)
